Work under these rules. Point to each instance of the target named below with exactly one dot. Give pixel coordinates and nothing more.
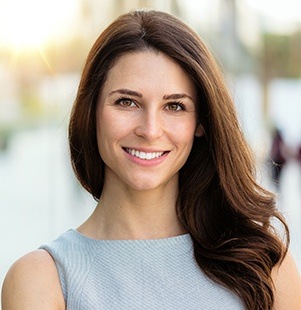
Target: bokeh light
(31, 23)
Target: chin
(151, 185)
(144, 187)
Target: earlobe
(199, 131)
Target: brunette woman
(180, 221)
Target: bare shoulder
(32, 282)
(287, 282)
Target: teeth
(143, 155)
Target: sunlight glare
(31, 23)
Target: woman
(180, 222)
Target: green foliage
(281, 55)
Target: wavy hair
(227, 213)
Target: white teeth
(144, 155)
(141, 155)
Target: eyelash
(121, 99)
(179, 104)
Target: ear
(199, 131)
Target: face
(146, 121)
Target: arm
(287, 282)
(32, 283)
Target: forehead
(148, 70)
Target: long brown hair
(227, 213)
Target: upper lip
(146, 150)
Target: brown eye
(127, 103)
(175, 107)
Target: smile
(144, 155)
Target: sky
(278, 15)
(25, 24)
(282, 11)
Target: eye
(175, 106)
(126, 102)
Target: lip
(146, 162)
(145, 149)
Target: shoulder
(287, 281)
(32, 282)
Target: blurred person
(277, 155)
(180, 221)
(298, 154)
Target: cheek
(105, 123)
(111, 127)
(184, 131)
(102, 130)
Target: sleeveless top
(135, 274)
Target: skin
(145, 121)
(137, 109)
(32, 283)
(287, 282)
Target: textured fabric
(135, 274)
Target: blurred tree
(295, 54)
(280, 58)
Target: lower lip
(145, 162)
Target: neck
(134, 215)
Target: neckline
(172, 239)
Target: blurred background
(43, 46)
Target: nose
(150, 125)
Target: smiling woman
(137, 112)
(30, 24)
(180, 221)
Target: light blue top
(159, 274)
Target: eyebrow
(125, 91)
(130, 92)
(177, 96)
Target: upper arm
(287, 281)
(32, 283)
